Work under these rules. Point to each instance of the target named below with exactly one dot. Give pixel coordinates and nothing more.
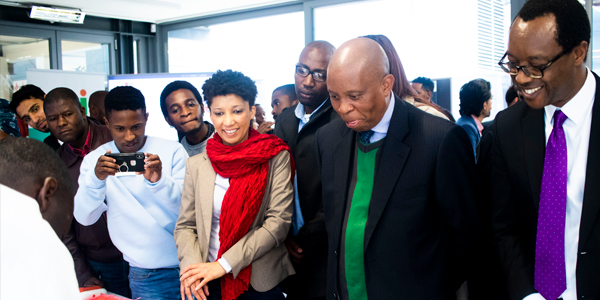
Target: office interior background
(450, 41)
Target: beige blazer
(262, 246)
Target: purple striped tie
(550, 273)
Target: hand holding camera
(106, 166)
(145, 164)
(153, 168)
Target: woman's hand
(203, 273)
(189, 289)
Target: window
(17, 54)
(265, 49)
(85, 57)
(596, 37)
(460, 40)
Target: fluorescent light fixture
(64, 15)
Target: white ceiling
(155, 11)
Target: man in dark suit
(398, 187)
(297, 126)
(546, 158)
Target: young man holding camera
(142, 207)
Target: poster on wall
(82, 83)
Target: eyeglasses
(532, 71)
(317, 75)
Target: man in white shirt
(141, 208)
(546, 158)
(36, 206)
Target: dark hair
(124, 98)
(511, 94)
(427, 84)
(34, 160)
(572, 22)
(26, 92)
(229, 82)
(401, 85)
(173, 86)
(61, 93)
(288, 90)
(472, 96)
(95, 97)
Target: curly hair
(173, 86)
(26, 92)
(229, 82)
(124, 98)
(572, 22)
(472, 96)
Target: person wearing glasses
(546, 158)
(296, 126)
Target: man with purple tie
(546, 158)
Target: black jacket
(422, 216)
(310, 278)
(519, 148)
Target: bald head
(97, 105)
(359, 83)
(311, 71)
(360, 55)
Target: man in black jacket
(398, 187)
(546, 158)
(296, 126)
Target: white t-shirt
(35, 263)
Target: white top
(381, 129)
(221, 186)
(29, 248)
(577, 133)
(141, 215)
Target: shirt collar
(479, 125)
(384, 124)
(86, 147)
(577, 107)
(300, 112)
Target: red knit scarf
(247, 166)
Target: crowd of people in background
(361, 188)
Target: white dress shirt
(221, 186)
(577, 133)
(380, 130)
(35, 263)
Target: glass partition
(265, 49)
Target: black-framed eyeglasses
(317, 75)
(532, 71)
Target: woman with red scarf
(236, 206)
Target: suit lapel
(534, 148)
(591, 194)
(291, 129)
(342, 166)
(316, 116)
(205, 201)
(392, 160)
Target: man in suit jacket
(297, 126)
(475, 105)
(398, 187)
(546, 161)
